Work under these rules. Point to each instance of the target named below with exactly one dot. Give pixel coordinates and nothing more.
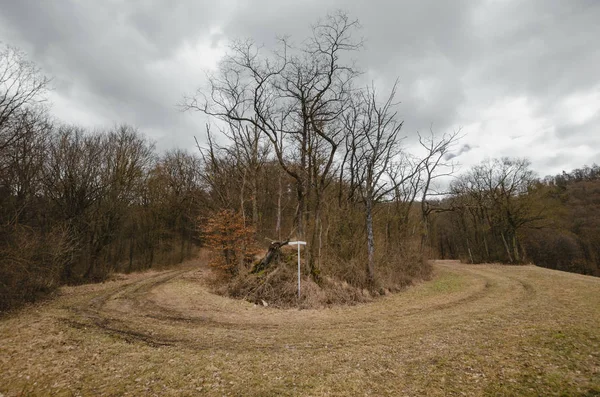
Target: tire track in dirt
(92, 314)
(471, 330)
(127, 312)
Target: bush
(231, 241)
(31, 264)
(278, 286)
(344, 281)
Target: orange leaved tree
(231, 241)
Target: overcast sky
(521, 78)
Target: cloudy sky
(521, 78)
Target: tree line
(76, 204)
(297, 147)
(499, 211)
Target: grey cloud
(463, 149)
(579, 145)
(540, 47)
(97, 50)
(453, 59)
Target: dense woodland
(296, 148)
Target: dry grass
(471, 330)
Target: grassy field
(472, 330)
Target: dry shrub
(31, 264)
(400, 266)
(351, 270)
(278, 285)
(343, 266)
(396, 266)
(399, 259)
(345, 283)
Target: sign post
(298, 243)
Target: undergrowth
(278, 285)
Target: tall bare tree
(435, 164)
(294, 96)
(373, 143)
(250, 152)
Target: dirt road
(472, 330)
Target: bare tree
(250, 153)
(434, 165)
(21, 85)
(494, 195)
(90, 180)
(374, 142)
(294, 96)
(218, 167)
(181, 175)
(406, 176)
(21, 163)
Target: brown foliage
(231, 241)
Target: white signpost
(298, 243)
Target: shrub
(31, 264)
(231, 241)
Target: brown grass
(471, 330)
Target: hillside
(472, 330)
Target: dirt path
(472, 330)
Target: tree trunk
(313, 258)
(320, 242)
(182, 253)
(254, 187)
(271, 254)
(425, 231)
(487, 250)
(370, 242)
(469, 251)
(279, 194)
(130, 255)
(300, 212)
(242, 192)
(506, 247)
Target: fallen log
(272, 253)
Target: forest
(297, 148)
(499, 211)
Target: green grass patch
(447, 282)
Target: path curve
(471, 330)
(180, 301)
